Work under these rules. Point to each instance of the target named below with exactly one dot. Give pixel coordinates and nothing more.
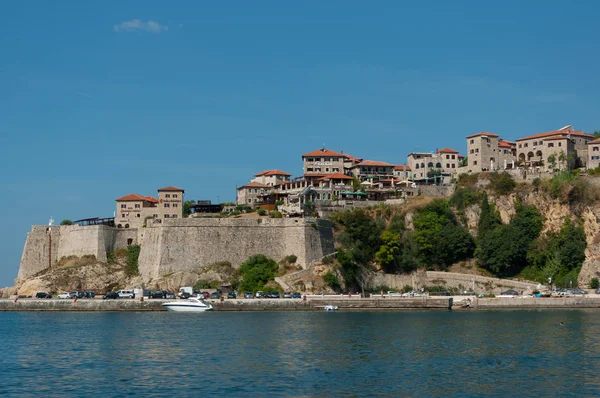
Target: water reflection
(301, 353)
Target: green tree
(596, 134)
(66, 222)
(257, 271)
(489, 219)
(186, 207)
(132, 267)
(389, 254)
(202, 284)
(332, 281)
(552, 161)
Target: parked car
(170, 295)
(90, 294)
(111, 296)
(126, 294)
(158, 294)
(248, 295)
(231, 295)
(296, 295)
(64, 295)
(576, 291)
(184, 295)
(43, 295)
(287, 295)
(274, 295)
(260, 294)
(508, 293)
(215, 295)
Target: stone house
(321, 162)
(271, 177)
(402, 172)
(132, 210)
(252, 194)
(534, 150)
(593, 154)
(372, 171)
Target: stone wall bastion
(181, 244)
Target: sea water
(307, 354)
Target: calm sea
(308, 354)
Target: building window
(453, 156)
(595, 157)
(167, 195)
(474, 163)
(520, 145)
(476, 150)
(526, 145)
(309, 169)
(138, 215)
(166, 205)
(551, 145)
(472, 151)
(174, 195)
(166, 216)
(472, 141)
(453, 166)
(595, 149)
(447, 156)
(560, 144)
(175, 205)
(123, 206)
(137, 205)
(417, 165)
(249, 200)
(174, 216)
(447, 165)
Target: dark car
(215, 295)
(169, 295)
(274, 295)
(510, 293)
(43, 295)
(112, 296)
(185, 295)
(231, 295)
(296, 295)
(248, 295)
(158, 294)
(90, 294)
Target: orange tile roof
(563, 131)
(596, 141)
(402, 167)
(151, 199)
(272, 173)
(506, 144)
(447, 150)
(336, 176)
(483, 133)
(353, 158)
(373, 163)
(133, 197)
(171, 188)
(323, 152)
(254, 185)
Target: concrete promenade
(313, 303)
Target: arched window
(430, 164)
(438, 165)
(422, 165)
(417, 165)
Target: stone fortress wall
(179, 244)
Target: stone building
(252, 194)
(593, 154)
(133, 209)
(567, 144)
(402, 172)
(423, 164)
(271, 177)
(372, 171)
(321, 162)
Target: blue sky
(98, 100)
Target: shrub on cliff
(502, 183)
(131, 267)
(66, 222)
(332, 281)
(256, 272)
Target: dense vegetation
(438, 237)
(256, 272)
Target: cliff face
(554, 213)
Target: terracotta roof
(483, 133)
(373, 163)
(171, 188)
(563, 131)
(272, 173)
(506, 144)
(596, 141)
(323, 152)
(447, 150)
(133, 197)
(336, 176)
(314, 175)
(402, 167)
(254, 185)
(353, 158)
(151, 199)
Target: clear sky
(101, 99)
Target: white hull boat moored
(192, 304)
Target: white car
(126, 294)
(64, 295)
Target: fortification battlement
(239, 222)
(180, 244)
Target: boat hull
(176, 307)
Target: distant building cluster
(134, 210)
(329, 175)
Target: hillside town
(337, 179)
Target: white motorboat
(193, 304)
(330, 308)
